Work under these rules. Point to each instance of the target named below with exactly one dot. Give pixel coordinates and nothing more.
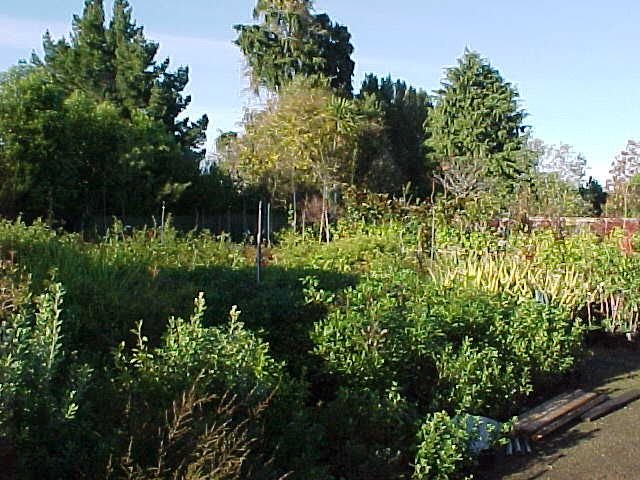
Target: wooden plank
(569, 416)
(529, 417)
(552, 414)
(611, 405)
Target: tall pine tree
(477, 118)
(117, 63)
(289, 40)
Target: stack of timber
(611, 405)
(551, 415)
(554, 413)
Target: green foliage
(41, 385)
(117, 63)
(375, 437)
(200, 362)
(550, 196)
(474, 378)
(505, 357)
(94, 128)
(366, 342)
(451, 348)
(396, 156)
(366, 329)
(32, 107)
(623, 185)
(581, 273)
(443, 448)
(114, 285)
(304, 137)
(555, 184)
(217, 389)
(476, 118)
(343, 347)
(594, 195)
(290, 41)
(233, 357)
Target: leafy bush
(222, 385)
(364, 341)
(41, 385)
(369, 435)
(490, 350)
(443, 448)
(447, 348)
(477, 379)
(542, 340)
(190, 364)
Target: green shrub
(364, 340)
(443, 448)
(477, 379)
(42, 415)
(542, 340)
(490, 350)
(342, 346)
(369, 435)
(197, 365)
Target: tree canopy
(117, 63)
(404, 114)
(555, 184)
(108, 135)
(95, 126)
(624, 184)
(476, 115)
(290, 40)
(305, 136)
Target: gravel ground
(608, 448)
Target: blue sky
(574, 63)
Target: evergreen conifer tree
(477, 118)
(96, 126)
(117, 63)
(289, 40)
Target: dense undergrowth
(357, 359)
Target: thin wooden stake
(259, 242)
(326, 224)
(304, 225)
(269, 224)
(294, 222)
(162, 224)
(432, 253)
(325, 213)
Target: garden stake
(259, 242)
